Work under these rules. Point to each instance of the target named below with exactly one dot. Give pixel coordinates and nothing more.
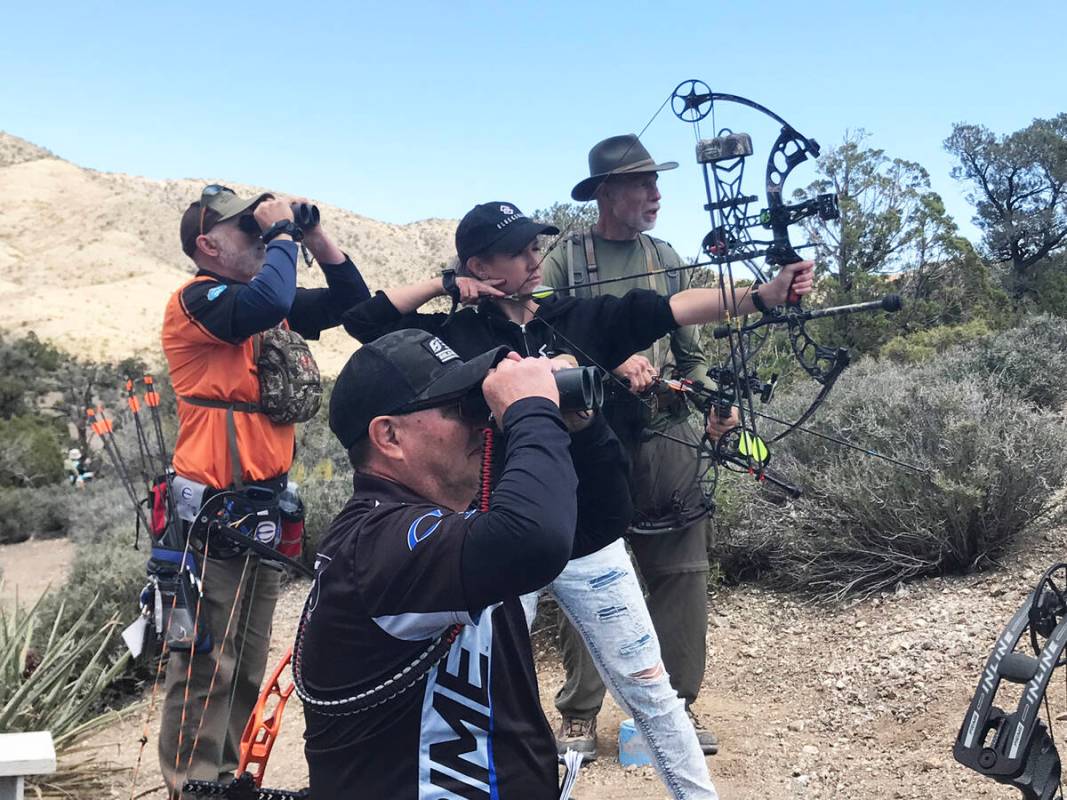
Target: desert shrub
(37, 513)
(863, 524)
(925, 344)
(1048, 285)
(31, 455)
(1028, 361)
(323, 500)
(25, 361)
(54, 675)
(103, 513)
(738, 552)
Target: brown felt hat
(618, 155)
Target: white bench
(24, 754)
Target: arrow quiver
(169, 598)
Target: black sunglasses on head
(207, 197)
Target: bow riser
(1016, 748)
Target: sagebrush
(995, 460)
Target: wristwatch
(448, 282)
(283, 226)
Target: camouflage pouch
(290, 387)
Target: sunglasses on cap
(207, 197)
(246, 222)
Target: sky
(406, 110)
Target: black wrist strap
(283, 226)
(757, 301)
(448, 281)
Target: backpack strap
(572, 272)
(653, 262)
(579, 265)
(231, 429)
(590, 255)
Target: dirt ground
(29, 568)
(858, 702)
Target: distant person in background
(77, 468)
(245, 251)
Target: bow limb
(263, 728)
(811, 409)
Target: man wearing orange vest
(245, 251)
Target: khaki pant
(674, 569)
(251, 590)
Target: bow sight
(1018, 748)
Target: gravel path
(857, 702)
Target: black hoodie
(601, 331)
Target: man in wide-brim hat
(619, 155)
(623, 179)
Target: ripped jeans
(600, 595)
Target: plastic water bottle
(632, 750)
(292, 513)
(289, 501)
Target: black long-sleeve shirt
(395, 571)
(602, 331)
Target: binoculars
(305, 215)
(580, 389)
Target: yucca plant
(43, 687)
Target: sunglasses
(471, 408)
(246, 222)
(207, 197)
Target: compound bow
(1017, 748)
(736, 383)
(731, 240)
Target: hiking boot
(577, 734)
(709, 742)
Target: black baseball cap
(496, 227)
(401, 372)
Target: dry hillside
(88, 259)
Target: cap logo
(508, 220)
(507, 210)
(441, 351)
